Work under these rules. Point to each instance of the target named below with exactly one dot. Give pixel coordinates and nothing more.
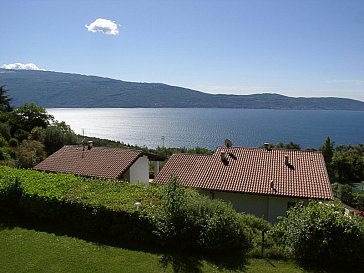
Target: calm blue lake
(210, 127)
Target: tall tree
(4, 100)
(56, 135)
(328, 150)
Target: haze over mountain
(66, 90)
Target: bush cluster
(198, 222)
(344, 192)
(321, 233)
(28, 133)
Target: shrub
(10, 194)
(5, 129)
(13, 142)
(260, 228)
(2, 141)
(358, 201)
(30, 153)
(321, 233)
(5, 153)
(190, 220)
(345, 194)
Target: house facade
(264, 206)
(258, 181)
(138, 171)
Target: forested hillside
(54, 89)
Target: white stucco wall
(268, 207)
(139, 171)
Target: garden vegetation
(173, 216)
(321, 234)
(170, 216)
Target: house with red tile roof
(263, 182)
(100, 162)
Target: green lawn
(28, 250)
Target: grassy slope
(27, 250)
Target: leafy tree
(4, 100)
(321, 233)
(30, 116)
(348, 164)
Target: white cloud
(20, 66)
(103, 25)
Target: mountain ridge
(67, 90)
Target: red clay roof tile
(251, 170)
(109, 163)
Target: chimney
(90, 145)
(223, 156)
(286, 160)
(272, 187)
(267, 146)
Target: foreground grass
(28, 250)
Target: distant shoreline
(232, 108)
(66, 90)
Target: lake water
(210, 127)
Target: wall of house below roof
(267, 207)
(139, 171)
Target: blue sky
(295, 48)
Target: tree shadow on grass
(180, 262)
(10, 221)
(176, 259)
(332, 268)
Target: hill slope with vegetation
(54, 89)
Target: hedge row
(88, 206)
(74, 189)
(107, 209)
